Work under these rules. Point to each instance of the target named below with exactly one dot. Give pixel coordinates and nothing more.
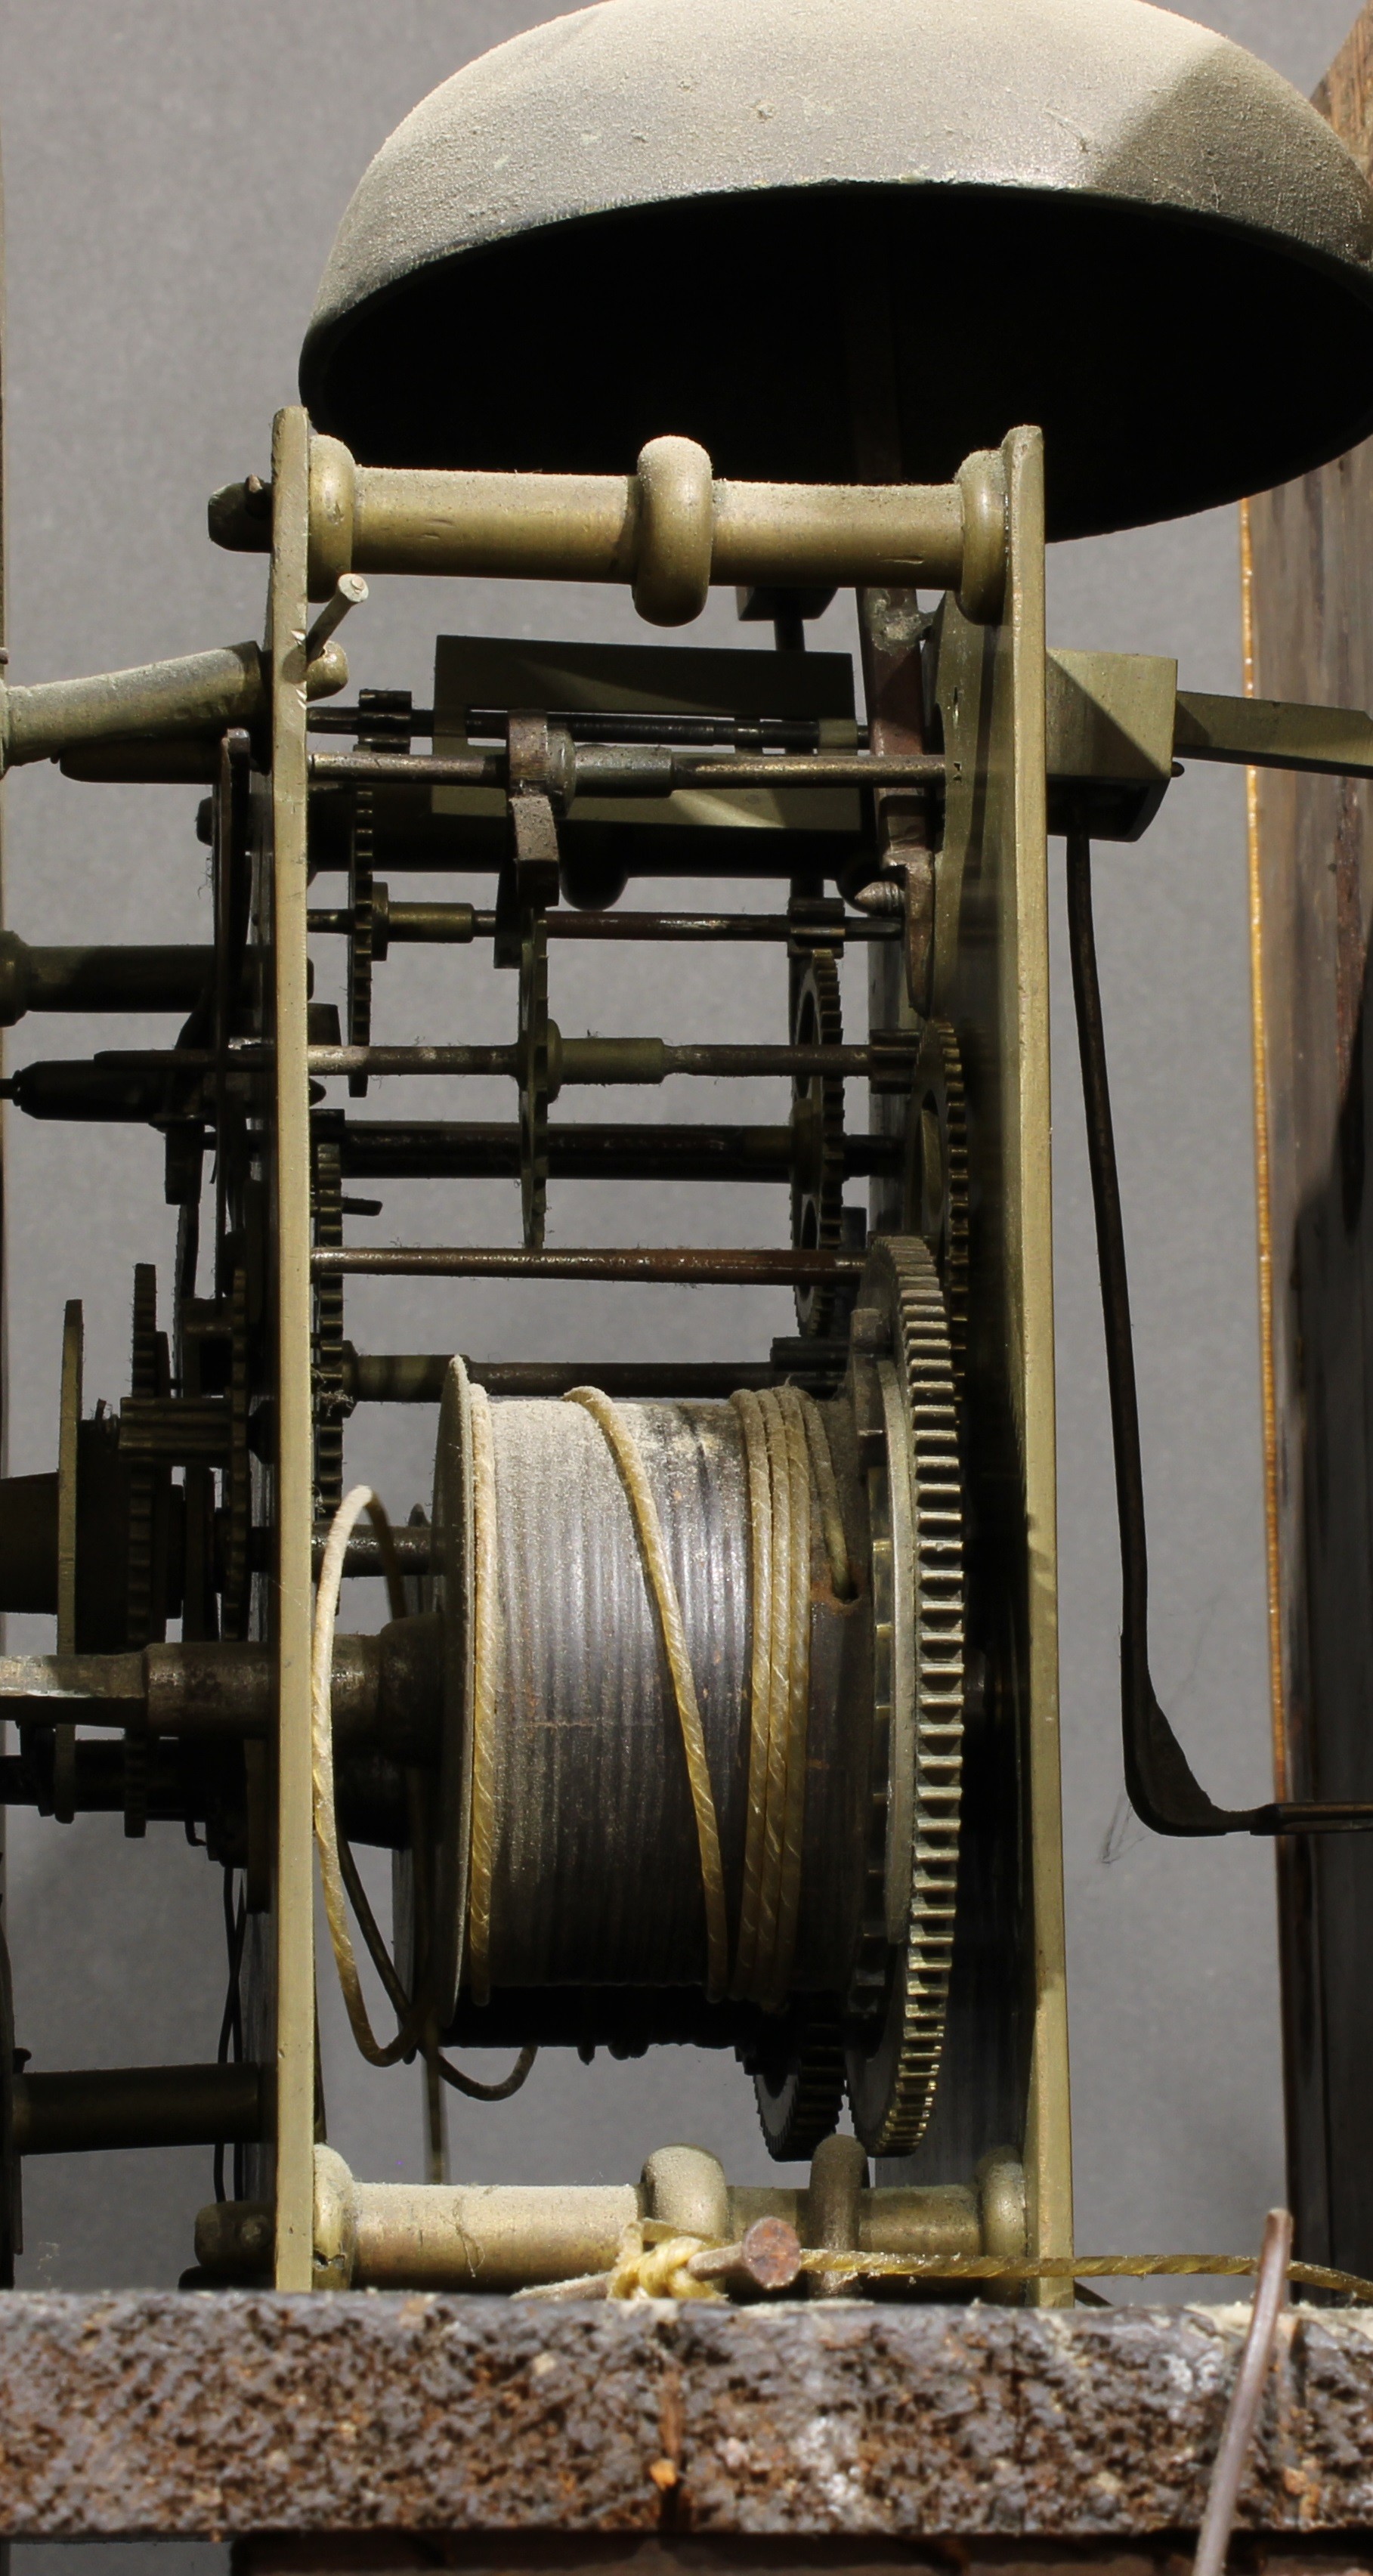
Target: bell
(858, 239)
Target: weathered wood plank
(1310, 633)
(153, 2413)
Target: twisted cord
(777, 1612)
(1074, 2267)
(671, 2279)
(827, 1487)
(759, 1482)
(778, 1979)
(662, 1592)
(786, 1454)
(785, 1451)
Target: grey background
(173, 175)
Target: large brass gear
(817, 1133)
(936, 1176)
(916, 1503)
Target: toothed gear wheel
(329, 1406)
(385, 726)
(799, 2104)
(533, 1071)
(360, 913)
(937, 1173)
(918, 1578)
(149, 1376)
(817, 1131)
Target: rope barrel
(792, 1490)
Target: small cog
(800, 2102)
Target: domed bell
(725, 220)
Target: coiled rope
(786, 1451)
(784, 1447)
(662, 1592)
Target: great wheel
(915, 1496)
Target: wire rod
(690, 1266)
(601, 1063)
(460, 922)
(1242, 2414)
(653, 770)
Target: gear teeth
(145, 1379)
(149, 1375)
(328, 1351)
(919, 2006)
(360, 905)
(805, 2107)
(939, 1082)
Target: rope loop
(337, 1867)
(331, 1868)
